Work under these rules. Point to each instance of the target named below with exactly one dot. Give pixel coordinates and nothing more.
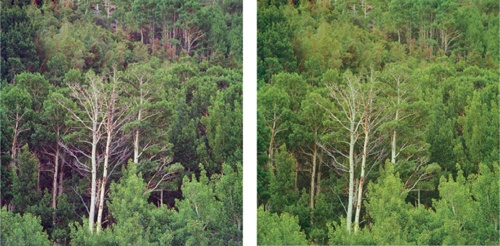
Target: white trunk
(13, 149)
(110, 126)
(103, 183)
(271, 147)
(93, 192)
(394, 134)
(313, 178)
(54, 180)
(161, 198)
(139, 118)
(362, 177)
(393, 147)
(136, 147)
(351, 175)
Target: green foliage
(135, 218)
(273, 37)
(176, 71)
(281, 183)
(387, 208)
(211, 211)
(18, 43)
(36, 85)
(433, 65)
(274, 229)
(21, 230)
(25, 182)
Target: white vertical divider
(249, 122)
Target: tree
(207, 214)
(274, 229)
(223, 127)
(17, 106)
(22, 230)
(25, 187)
(274, 109)
(346, 112)
(281, 184)
(483, 190)
(373, 116)
(274, 37)
(307, 134)
(88, 111)
(18, 42)
(51, 137)
(387, 207)
(36, 85)
(144, 91)
(229, 190)
(116, 115)
(129, 206)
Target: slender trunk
(13, 150)
(362, 177)
(313, 178)
(351, 175)
(54, 180)
(103, 183)
(418, 199)
(271, 148)
(394, 133)
(94, 177)
(136, 147)
(161, 197)
(139, 118)
(54, 185)
(109, 130)
(60, 189)
(164, 35)
(318, 182)
(393, 147)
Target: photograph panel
(121, 122)
(377, 122)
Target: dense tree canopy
(113, 115)
(378, 121)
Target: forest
(121, 122)
(378, 122)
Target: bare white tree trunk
(313, 178)
(91, 116)
(352, 142)
(348, 101)
(393, 144)
(103, 182)
(115, 119)
(93, 193)
(54, 180)
(139, 118)
(399, 78)
(362, 175)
